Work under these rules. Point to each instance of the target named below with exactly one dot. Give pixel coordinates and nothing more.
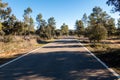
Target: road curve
(61, 60)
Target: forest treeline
(11, 26)
(97, 26)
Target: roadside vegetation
(107, 50)
(20, 36)
(99, 33)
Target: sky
(64, 11)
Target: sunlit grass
(108, 52)
(12, 50)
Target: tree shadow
(58, 65)
(41, 41)
(65, 41)
(67, 46)
(111, 57)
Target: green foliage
(31, 27)
(84, 19)
(28, 20)
(97, 25)
(41, 31)
(41, 26)
(64, 29)
(44, 29)
(48, 32)
(118, 24)
(115, 4)
(96, 32)
(100, 17)
(39, 19)
(18, 28)
(4, 16)
(3, 5)
(58, 32)
(110, 26)
(52, 25)
(79, 28)
(71, 32)
(118, 29)
(3, 10)
(11, 23)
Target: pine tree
(79, 28)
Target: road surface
(61, 60)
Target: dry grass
(19, 47)
(107, 51)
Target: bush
(96, 33)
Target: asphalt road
(60, 60)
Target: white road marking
(111, 70)
(1, 66)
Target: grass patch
(108, 53)
(12, 50)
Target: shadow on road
(66, 41)
(67, 46)
(56, 65)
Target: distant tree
(118, 23)
(72, 32)
(4, 14)
(79, 28)
(18, 28)
(110, 26)
(52, 25)
(9, 25)
(64, 29)
(41, 25)
(96, 32)
(84, 19)
(97, 21)
(115, 4)
(48, 32)
(58, 32)
(3, 5)
(27, 19)
(2, 10)
(7, 13)
(100, 16)
(11, 22)
(42, 29)
(39, 19)
(118, 29)
(31, 28)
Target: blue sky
(64, 11)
